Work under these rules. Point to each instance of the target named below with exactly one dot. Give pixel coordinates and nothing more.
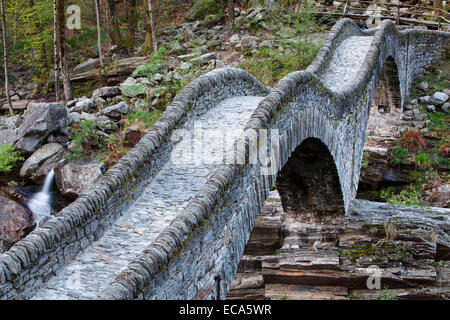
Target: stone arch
(387, 101)
(309, 185)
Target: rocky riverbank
(407, 248)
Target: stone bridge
(161, 224)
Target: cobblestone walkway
(165, 196)
(346, 62)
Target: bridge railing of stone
(197, 255)
(39, 255)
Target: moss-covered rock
(202, 8)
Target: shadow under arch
(387, 101)
(309, 185)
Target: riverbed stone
(117, 110)
(106, 92)
(41, 120)
(15, 222)
(75, 177)
(439, 98)
(38, 157)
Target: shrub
(408, 197)
(445, 149)
(400, 154)
(422, 159)
(86, 140)
(9, 157)
(413, 140)
(153, 66)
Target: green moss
(203, 8)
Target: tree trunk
(5, 59)
(436, 6)
(152, 26)
(255, 3)
(230, 13)
(56, 61)
(117, 37)
(131, 25)
(68, 93)
(99, 33)
(108, 25)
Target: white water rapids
(40, 203)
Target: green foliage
(133, 90)
(9, 157)
(269, 65)
(31, 29)
(143, 118)
(85, 39)
(411, 196)
(438, 78)
(437, 121)
(153, 65)
(202, 8)
(386, 295)
(422, 159)
(400, 154)
(85, 141)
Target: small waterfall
(40, 203)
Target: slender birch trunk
(68, 93)
(5, 58)
(99, 33)
(56, 61)
(152, 26)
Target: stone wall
(32, 260)
(197, 255)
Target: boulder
(88, 65)
(8, 136)
(117, 110)
(249, 42)
(106, 125)
(10, 122)
(16, 221)
(439, 98)
(100, 102)
(75, 177)
(423, 86)
(71, 103)
(38, 157)
(431, 108)
(133, 90)
(445, 106)
(85, 105)
(234, 39)
(141, 104)
(39, 121)
(106, 92)
(425, 99)
(204, 59)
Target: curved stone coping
(158, 255)
(40, 243)
(286, 87)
